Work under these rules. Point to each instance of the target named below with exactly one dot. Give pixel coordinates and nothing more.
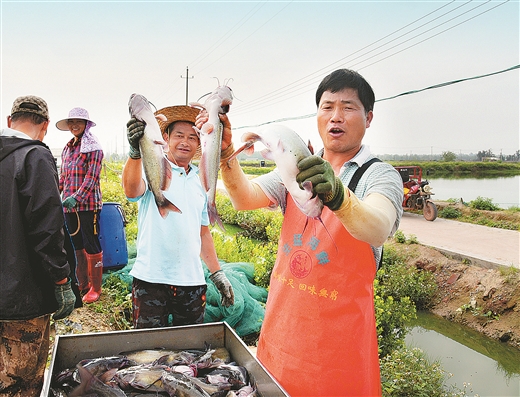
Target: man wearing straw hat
(169, 287)
(35, 277)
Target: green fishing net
(245, 316)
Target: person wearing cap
(168, 275)
(82, 202)
(34, 272)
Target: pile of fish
(158, 372)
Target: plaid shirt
(79, 177)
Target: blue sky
(95, 54)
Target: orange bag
(319, 336)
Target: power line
(449, 83)
(319, 72)
(440, 85)
(246, 38)
(212, 48)
(302, 85)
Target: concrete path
(482, 245)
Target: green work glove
(134, 133)
(66, 300)
(324, 183)
(70, 202)
(224, 287)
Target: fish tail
(85, 386)
(327, 230)
(214, 216)
(166, 207)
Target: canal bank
(486, 299)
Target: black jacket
(32, 255)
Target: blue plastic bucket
(112, 236)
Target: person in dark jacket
(34, 271)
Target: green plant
(412, 239)
(399, 237)
(409, 373)
(116, 303)
(398, 280)
(510, 274)
(483, 203)
(478, 311)
(450, 213)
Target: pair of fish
(152, 147)
(185, 373)
(283, 146)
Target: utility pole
(187, 77)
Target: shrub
(483, 203)
(392, 315)
(409, 373)
(400, 237)
(238, 248)
(450, 213)
(400, 281)
(254, 224)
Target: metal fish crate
(71, 349)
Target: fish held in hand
(286, 148)
(152, 146)
(210, 134)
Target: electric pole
(187, 77)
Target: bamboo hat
(178, 113)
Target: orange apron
(319, 336)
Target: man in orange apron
(319, 335)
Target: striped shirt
(79, 177)
(379, 178)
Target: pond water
(504, 192)
(492, 368)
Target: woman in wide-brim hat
(80, 184)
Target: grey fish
(156, 167)
(177, 384)
(141, 377)
(92, 385)
(210, 134)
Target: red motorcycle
(417, 192)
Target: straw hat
(76, 113)
(178, 113)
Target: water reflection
(492, 368)
(505, 192)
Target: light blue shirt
(168, 250)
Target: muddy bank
(486, 300)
